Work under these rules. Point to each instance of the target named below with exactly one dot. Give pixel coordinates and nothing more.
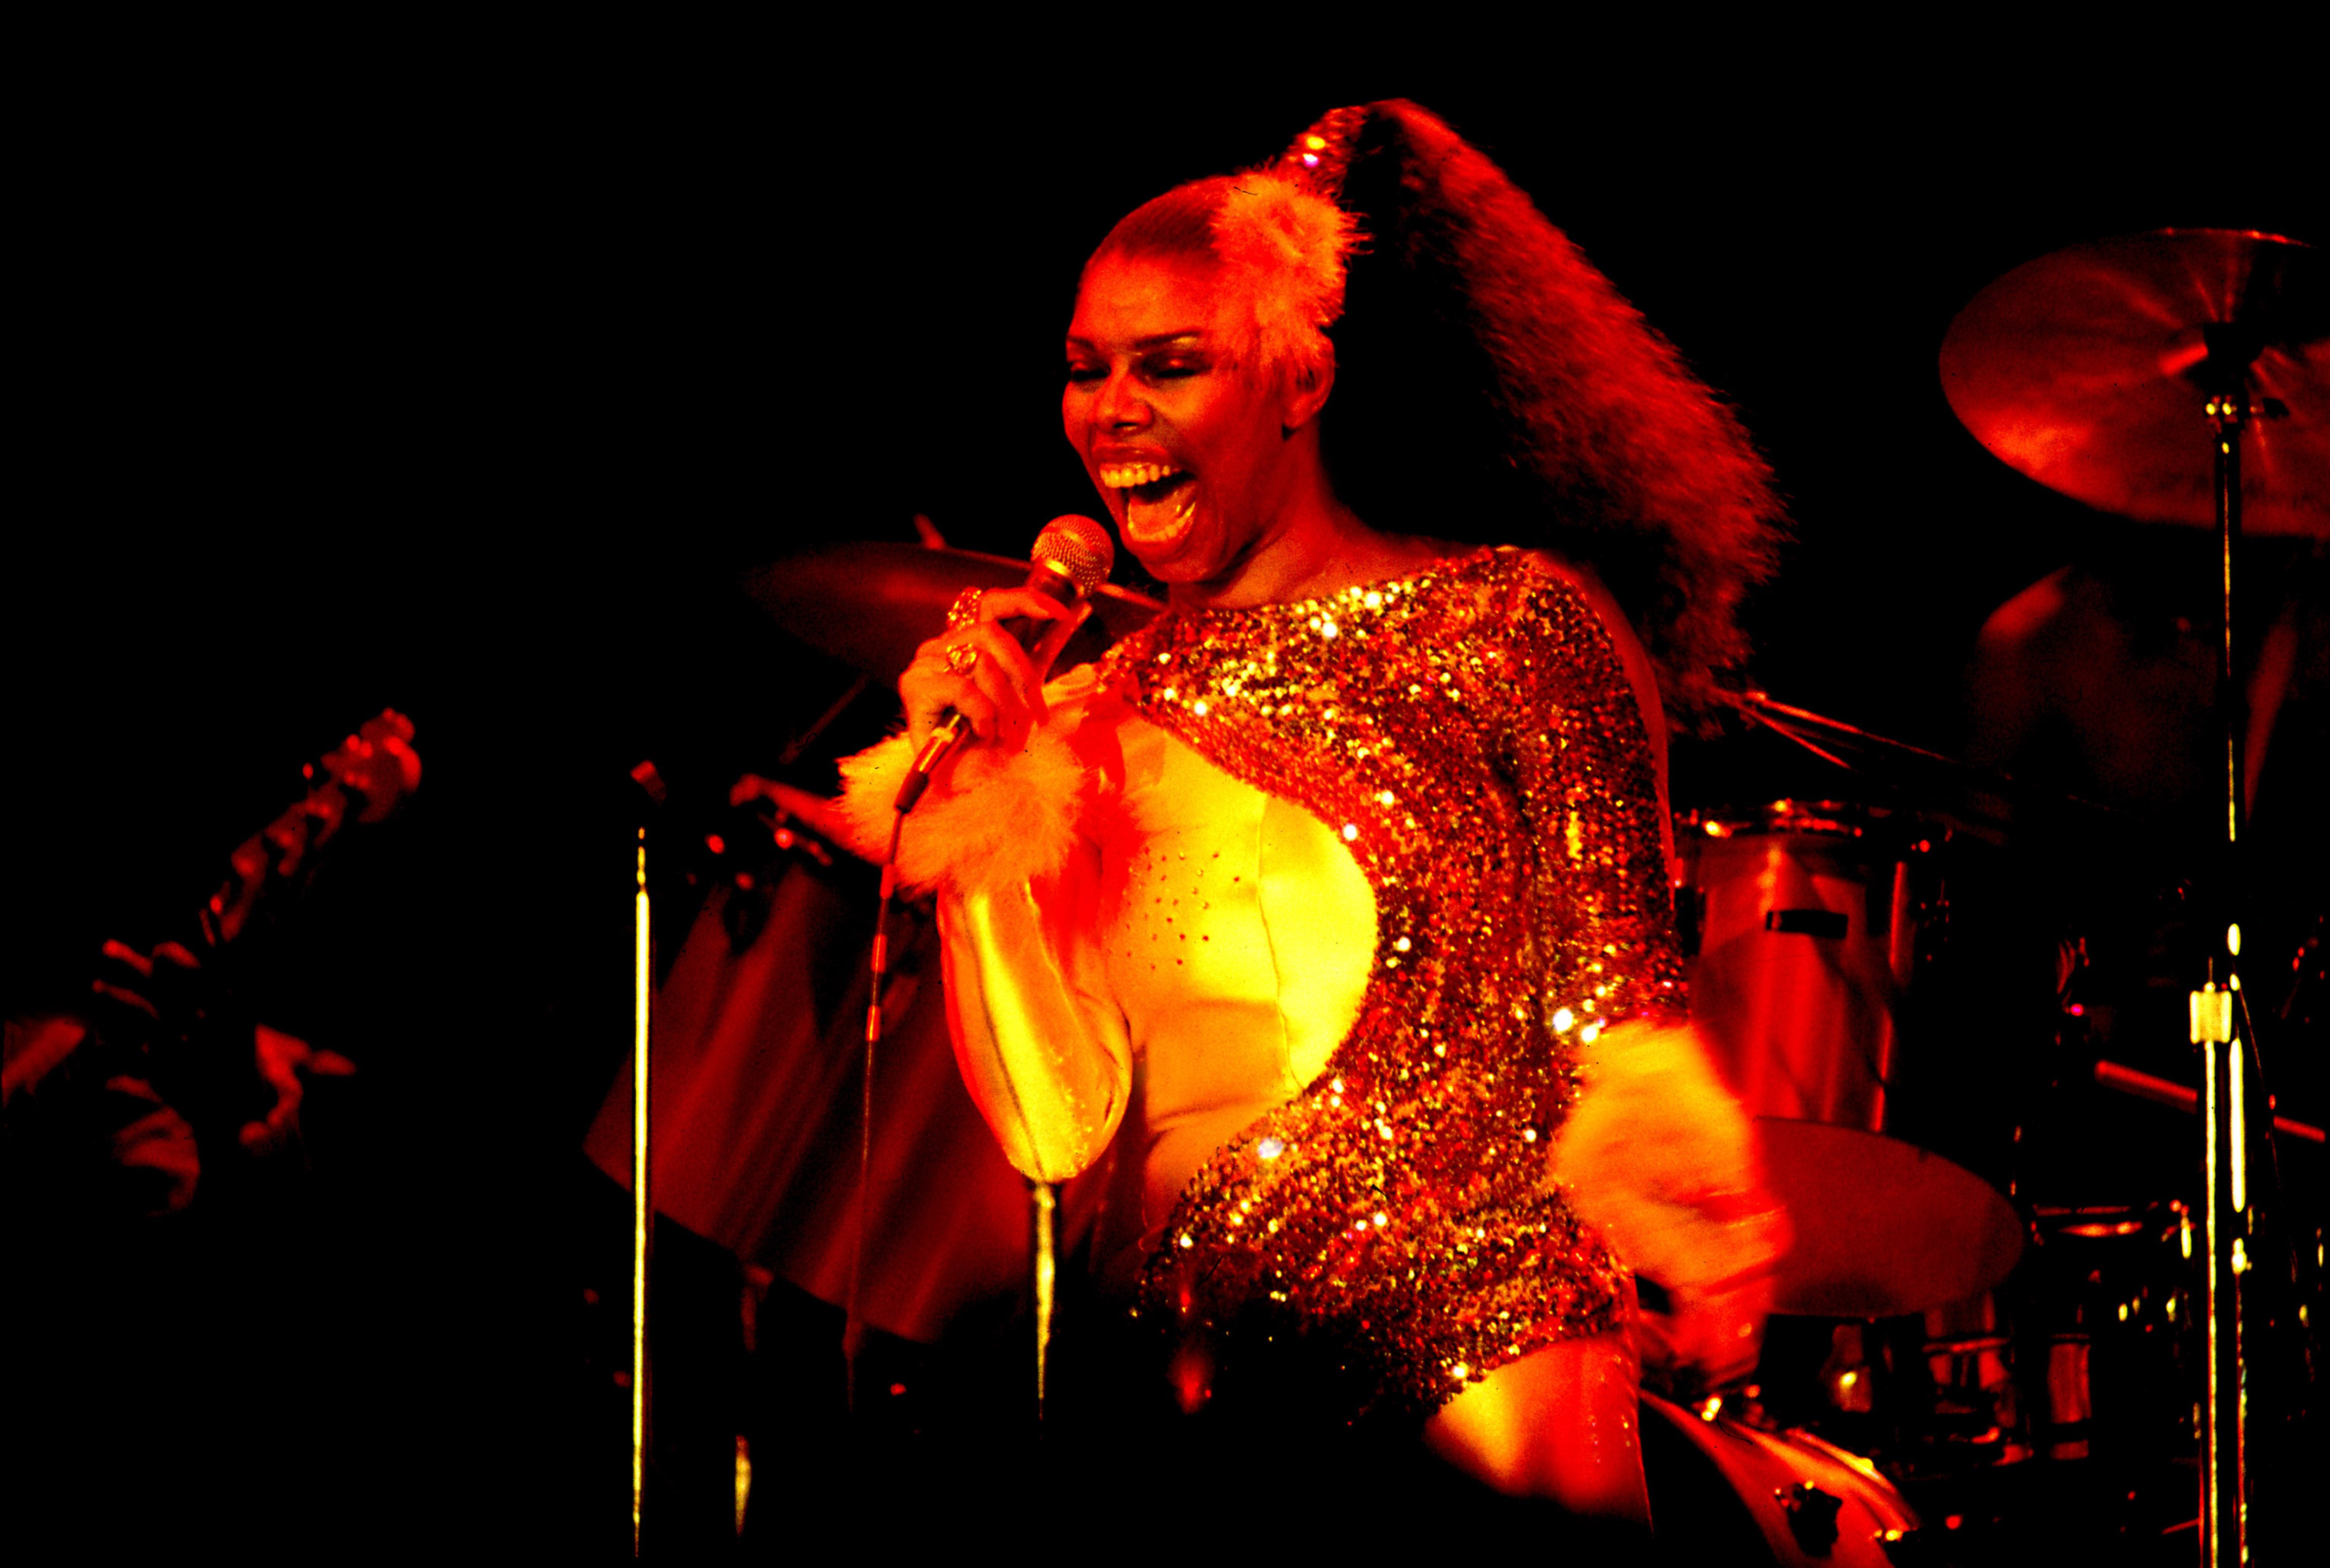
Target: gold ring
(964, 610)
(961, 657)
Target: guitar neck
(149, 1027)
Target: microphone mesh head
(1078, 548)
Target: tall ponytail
(1493, 385)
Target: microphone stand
(642, 1211)
(1070, 563)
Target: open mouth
(1156, 490)
(1158, 499)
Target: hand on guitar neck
(281, 1061)
(165, 1068)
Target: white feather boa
(1659, 1154)
(990, 818)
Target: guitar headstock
(364, 779)
(377, 764)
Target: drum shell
(1804, 945)
(1698, 1468)
(2111, 1348)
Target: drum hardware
(2109, 1332)
(2162, 1091)
(1977, 1410)
(2062, 1395)
(1975, 1390)
(2070, 1404)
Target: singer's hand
(1002, 692)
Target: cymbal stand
(2224, 1458)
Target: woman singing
(1338, 897)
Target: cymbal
(871, 604)
(2087, 370)
(1882, 1226)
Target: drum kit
(2179, 377)
(1958, 1328)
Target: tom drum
(1806, 924)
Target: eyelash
(1085, 374)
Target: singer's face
(1183, 440)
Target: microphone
(1072, 557)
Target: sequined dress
(1468, 738)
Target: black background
(468, 388)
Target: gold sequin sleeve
(1599, 939)
(1656, 1152)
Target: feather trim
(1287, 246)
(1660, 1156)
(990, 818)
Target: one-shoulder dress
(1332, 894)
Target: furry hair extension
(1285, 248)
(1281, 250)
(992, 819)
(1658, 1154)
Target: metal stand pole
(643, 1214)
(2224, 1486)
(1043, 1206)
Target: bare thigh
(1562, 1423)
